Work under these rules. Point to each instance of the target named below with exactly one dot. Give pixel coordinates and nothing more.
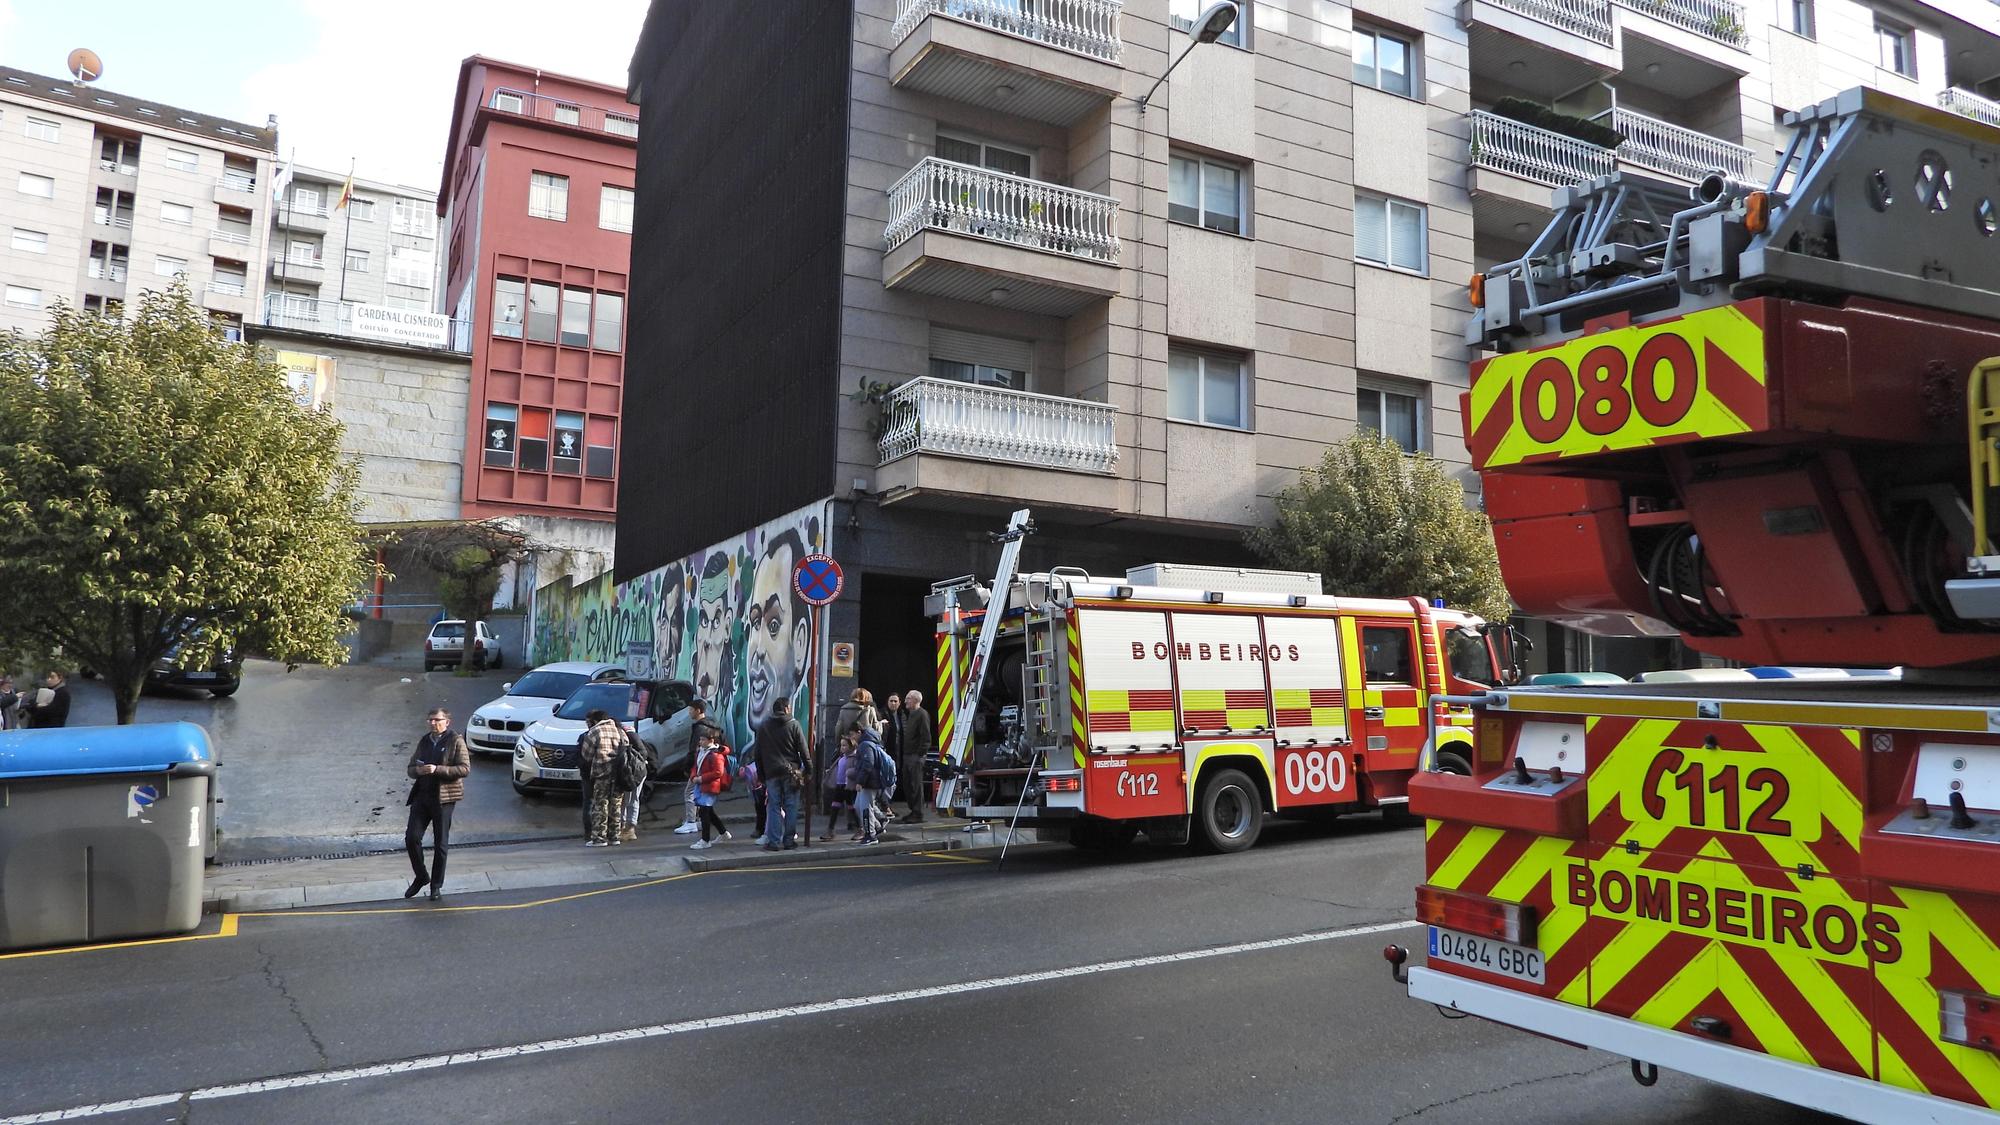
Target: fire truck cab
(1194, 702)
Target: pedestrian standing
(914, 750)
(9, 699)
(437, 769)
(837, 778)
(857, 712)
(782, 761)
(48, 707)
(698, 712)
(873, 774)
(632, 800)
(711, 775)
(602, 740)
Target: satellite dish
(85, 65)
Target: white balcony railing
(619, 122)
(1664, 147)
(236, 181)
(1971, 105)
(226, 287)
(1721, 20)
(1534, 153)
(994, 424)
(233, 237)
(289, 310)
(942, 195)
(1590, 19)
(1084, 27)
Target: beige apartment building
(107, 195)
(379, 250)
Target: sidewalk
(283, 885)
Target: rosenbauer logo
(1197, 652)
(1829, 930)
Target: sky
(364, 80)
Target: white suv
(442, 648)
(497, 726)
(546, 756)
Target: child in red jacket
(711, 776)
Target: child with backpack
(711, 775)
(872, 772)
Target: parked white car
(546, 756)
(446, 641)
(497, 726)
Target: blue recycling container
(104, 832)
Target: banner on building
(402, 326)
(310, 377)
(725, 619)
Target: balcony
(298, 217)
(1723, 21)
(297, 268)
(577, 115)
(236, 191)
(226, 296)
(945, 439)
(414, 329)
(1968, 104)
(1659, 146)
(230, 245)
(978, 235)
(1539, 48)
(1054, 61)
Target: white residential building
(381, 249)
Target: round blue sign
(817, 578)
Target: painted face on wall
(713, 602)
(670, 616)
(775, 626)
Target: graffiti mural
(724, 619)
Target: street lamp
(1215, 19)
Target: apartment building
(380, 250)
(108, 195)
(904, 265)
(536, 209)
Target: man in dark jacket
(438, 768)
(915, 744)
(782, 762)
(9, 700)
(55, 712)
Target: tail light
(1510, 922)
(1475, 291)
(1969, 1019)
(1756, 212)
(1062, 784)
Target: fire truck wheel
(1454, 761)
(1230, 813)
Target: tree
(468, 559)
(1375, 521)
(163, 493)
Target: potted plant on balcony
(887, 410)
(1726, 28)
(1568, 125)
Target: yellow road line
(227, 929)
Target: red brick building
(536, 203)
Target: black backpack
(634, 764)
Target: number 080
(1316, 772)
(1606, 388)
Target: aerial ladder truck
(1764, 418)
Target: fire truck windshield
(1471, 657)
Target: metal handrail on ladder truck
(1764, 418)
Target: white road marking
(655, 1031)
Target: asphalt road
(312, 760)
(874, 992)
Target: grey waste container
(102, 832)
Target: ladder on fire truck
(952, 764)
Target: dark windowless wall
(733, 345)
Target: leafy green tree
(162, 491)
(468, 559)
(1376, 521)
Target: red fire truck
(1190, 702)
(1763, 417)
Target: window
(1470, 660)
(31, 184)
(363, 210)
(1797, 17)
(1389, 232)
(410, 216)
(411, 266)
(510, 301)
(607, 331)
(42, 129)
(542, 300)
(300, 305)
(183, 160)
(598, 459)
(31, 241)
(614, 208)
(1181, 15)
(304, 253)
(1205, 193)
(1383, 61)
(568, 114)
(576, 318)
(167, 266)
(306, 199)
(1394, 410)
(1895, 48)
(1205, 387)
(357, 261)
(498, 439)
(532, 440)
(974, 357)
(566, 445)
(179, 214)
(548, 197)
(1385, 654)
(980, 154)
(230, 279)
(507, 101)
(22, 297)
(622, 126)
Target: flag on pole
(281, 179)
(346, 190)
